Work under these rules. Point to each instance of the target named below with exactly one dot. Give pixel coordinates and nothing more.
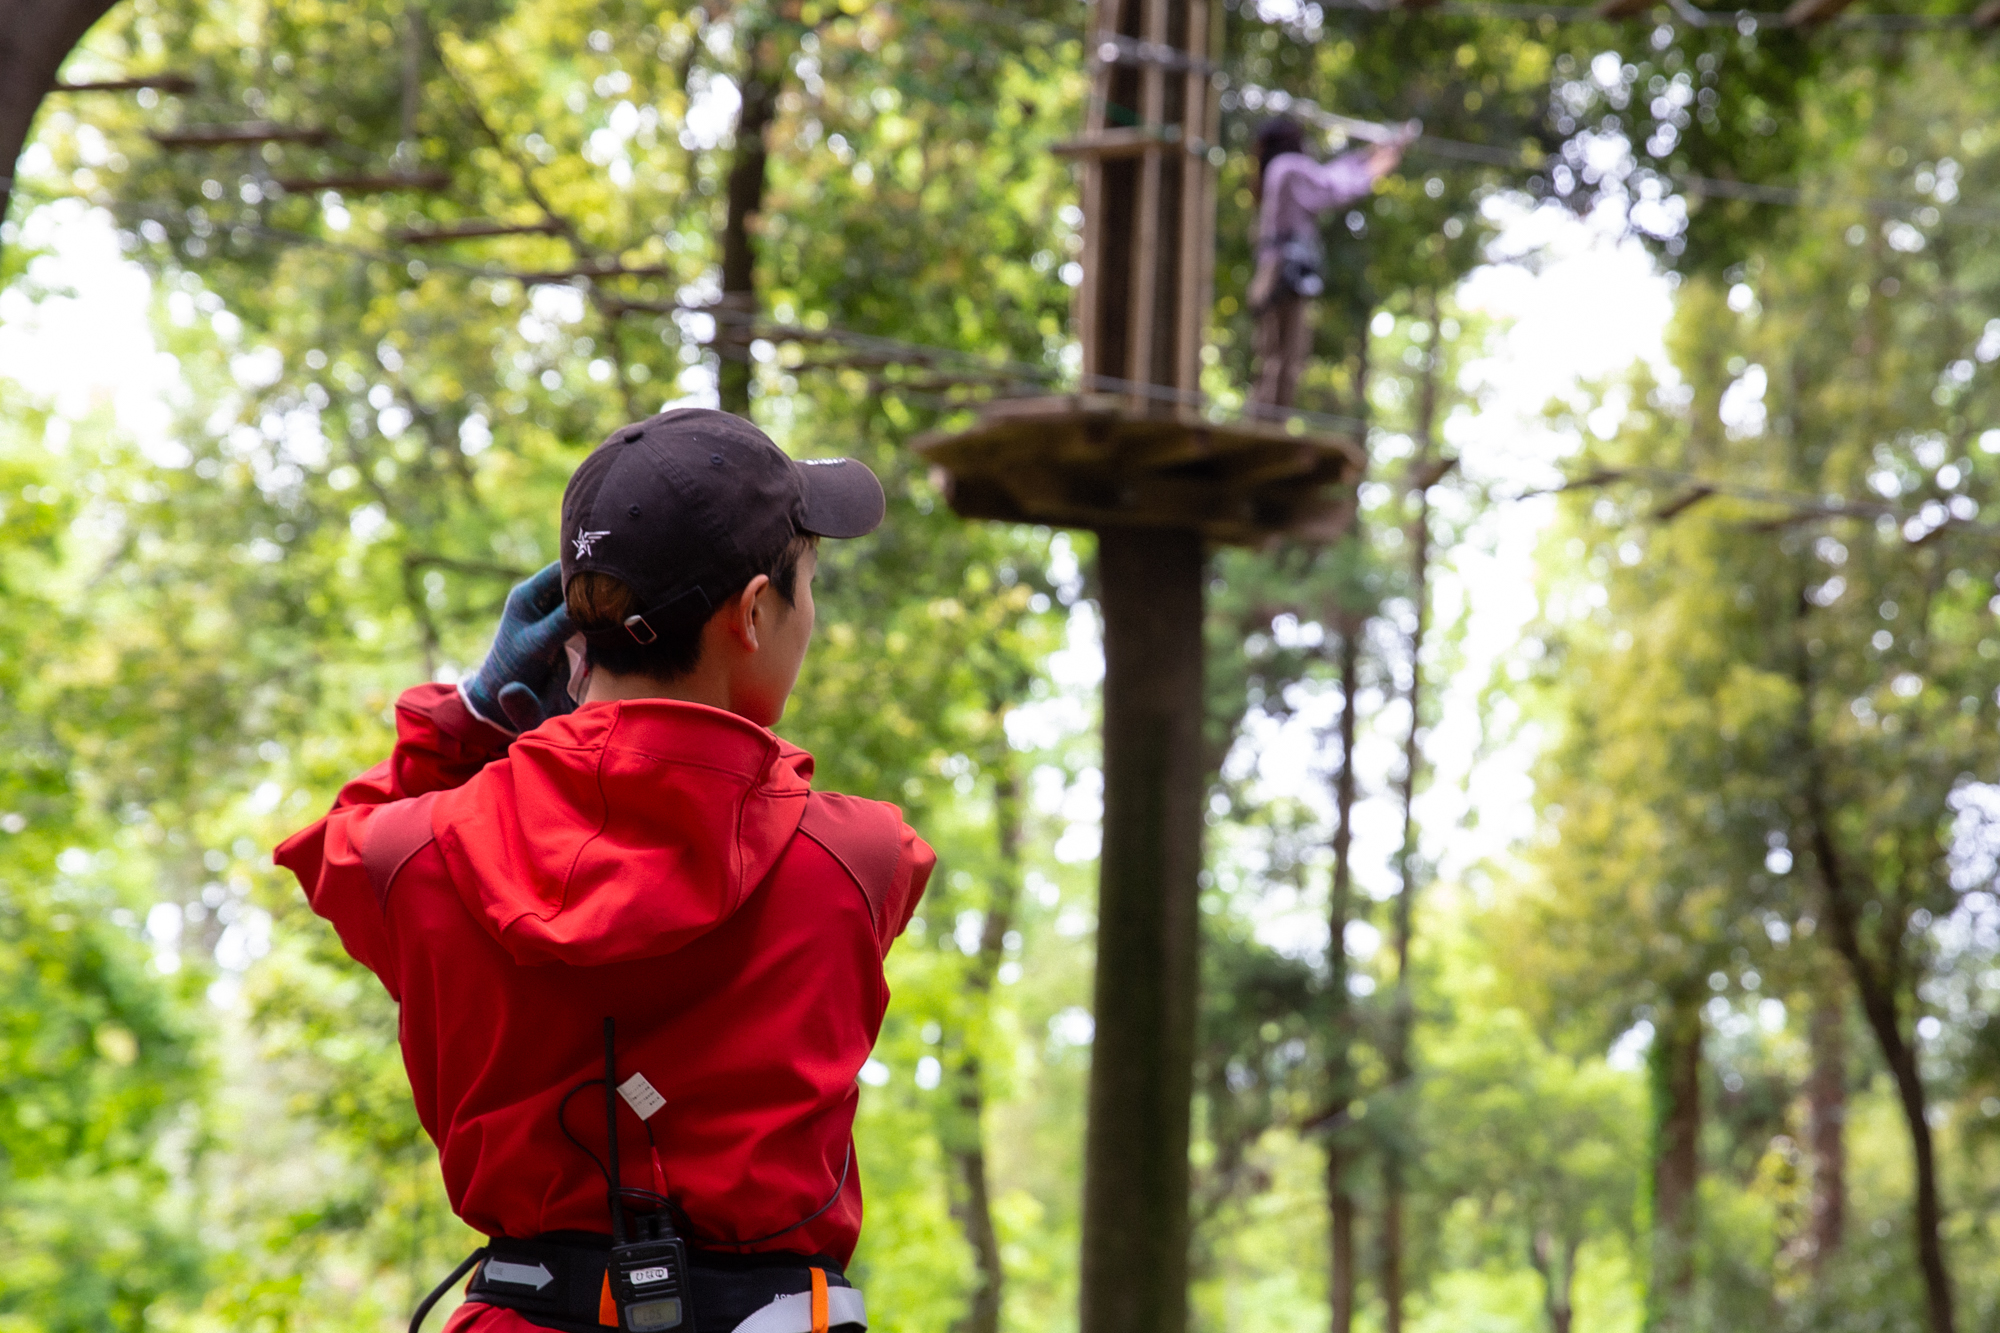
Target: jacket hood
(621, 831)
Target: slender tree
(972, 1199)
(1673, 1066)
(1881, 978)
(765, 44)
(1340, 1153)
(1425, 469)
(1826, 1126)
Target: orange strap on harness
(607, 1309)
(819, 1316)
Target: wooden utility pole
(1138, 457)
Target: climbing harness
(1301, 262)
(561, 1281)
(644, 1277)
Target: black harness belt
(558, 1280)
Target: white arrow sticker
(518, 1275)
(641, 1096)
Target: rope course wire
(1978, 19)
(1745, 21)
(1256, 97)
(1282, 102)
(1696, 488)
(1253, 96)
(1784, 196)
(963, 368)
(969, 365)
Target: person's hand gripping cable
(521, 684)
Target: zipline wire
(1783, 196)
(1745, 21)
(1759, 20)
(1696, 488)
(1256, 97)
(1281, 102)
(971, 367)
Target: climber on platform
(638, 957)
(1292, 190)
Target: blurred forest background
(1708, 1048)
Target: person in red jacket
(638, 957)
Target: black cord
(563, 1125)
(621, 1192)
(636, 1193)
(846, 1165)
(437, 1292)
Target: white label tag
(644, 1277)
(641, 1096)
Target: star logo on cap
(586, 543)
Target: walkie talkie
(649, 1271)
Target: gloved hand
(521, 682)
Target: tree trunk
(1826, 1128)
(1876, 985)
(35, 37)
(1340, 1237)
(764, 62)
(1135, 1189)
(1391, 1272)
(1340, 1067)
(1402, 1013)
(1556, 1262)
(1341, 1209)
(1402, 1010)
(974, 1206)
(1877, 991)
(1675, 1066)
(415, 42)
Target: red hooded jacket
(664, 864)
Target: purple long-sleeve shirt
(1297, 190)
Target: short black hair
(597, 601)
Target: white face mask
(579, 668)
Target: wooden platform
(1097, 460)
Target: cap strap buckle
(690, 607)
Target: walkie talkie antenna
(611, 1129)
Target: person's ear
(743, 615)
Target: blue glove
(522, 682)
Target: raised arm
(439, 744)
(444, 735)
(1305, 188)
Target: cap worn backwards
(684, 508)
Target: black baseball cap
(686, 507)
